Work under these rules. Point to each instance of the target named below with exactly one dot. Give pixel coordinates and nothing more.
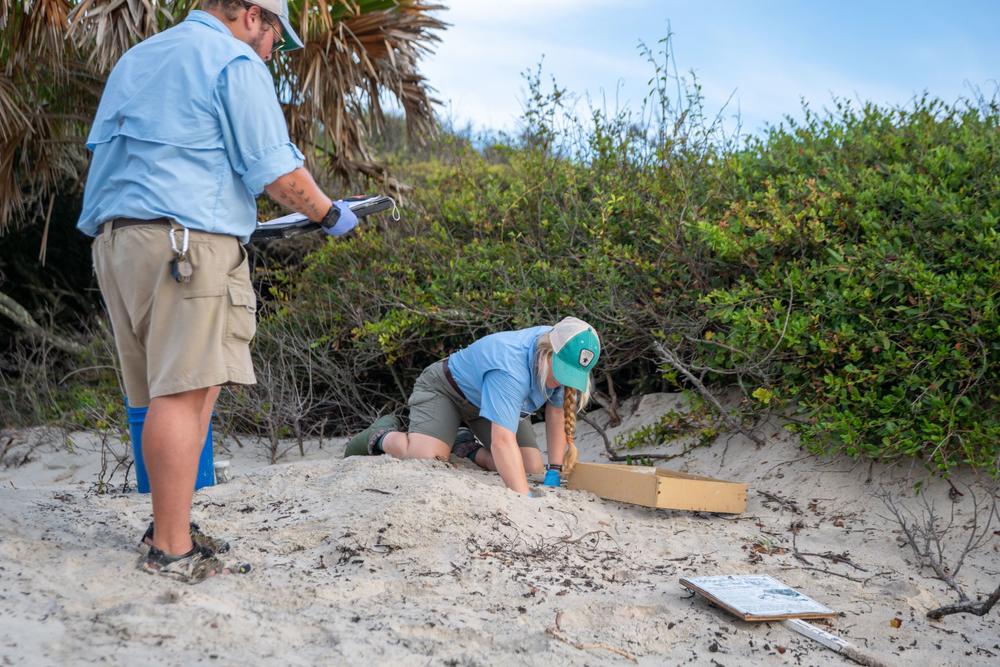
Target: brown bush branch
(928, 538)
(20, 316)
(671, 358)
(977, 608)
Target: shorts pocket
(241, 320)
(209, 278)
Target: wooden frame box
(656, 487)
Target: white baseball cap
(280, 9)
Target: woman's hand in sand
(508, 460)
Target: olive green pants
(437, 410)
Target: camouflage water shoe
(193, 567)
(210, 544)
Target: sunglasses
(279, 39)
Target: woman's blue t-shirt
(497, 375)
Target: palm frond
(338, 79)
(55, 56)
(13, 114)
(41, 137)
(37, 34)
(106, 29)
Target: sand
(377, 561)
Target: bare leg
(172, 438)
(532, 460)
(206, 411)
(415, 446)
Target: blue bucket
(206, 470)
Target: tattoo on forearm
(293, 194)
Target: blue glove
(552, 478)
(342, 217)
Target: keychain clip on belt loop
(180, 267)
(184, 242)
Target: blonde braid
(569, 426)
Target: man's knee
(193, 398)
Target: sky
(763, 56)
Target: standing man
(188, 132)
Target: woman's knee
(420, 446)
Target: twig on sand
(785, 503)
(836, 574)
(828, 555)
(968, 607)
(594, 533)
(556, 633)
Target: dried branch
(20, 316)
(672, 359)
(928, 536)
(615, 456)
(785, 503)
(842, 558)
(977, 608)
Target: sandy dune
(378, 561)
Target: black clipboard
(295, 223)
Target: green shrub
(880, 227)
(846, 265)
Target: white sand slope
(377, 561)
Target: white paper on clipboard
(757, 597)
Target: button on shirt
(497, 375)
(189, 127)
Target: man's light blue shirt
(497, 375)
(189, 127)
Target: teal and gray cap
(280, 8)
(575, 349)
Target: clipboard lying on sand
(295, 223)
(757, 597)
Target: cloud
(772, 60)
(766, 91)
(480, 73)
(495, 12)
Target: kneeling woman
(493, 386)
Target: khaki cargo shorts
(437, 410)
(174, 337)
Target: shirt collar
(203, 17)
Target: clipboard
(754, 597)
(294, 224)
